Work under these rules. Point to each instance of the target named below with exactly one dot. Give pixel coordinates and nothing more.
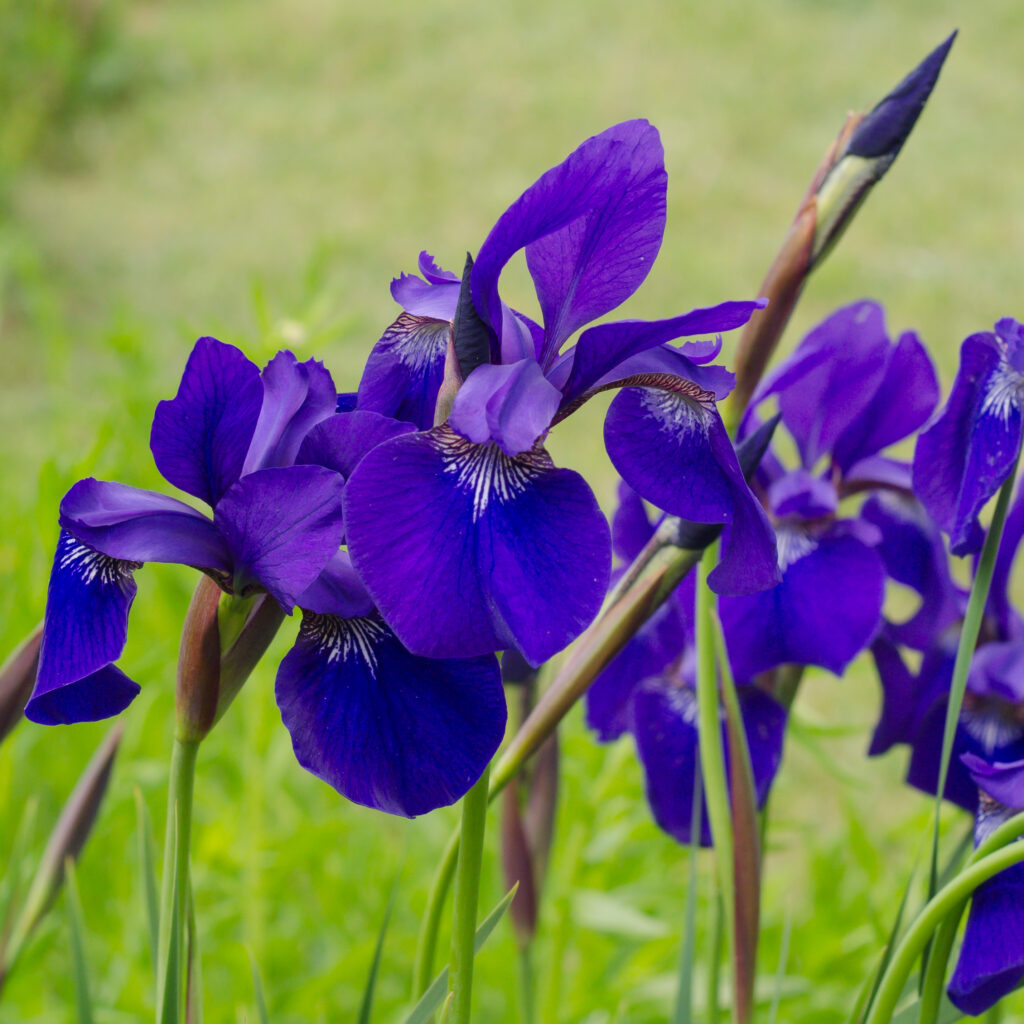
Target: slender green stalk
(174, 889)
(467, 891)
(683, 1013)
(945, 902)
(712, 751)
(965, 652)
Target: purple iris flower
(991, 722)
(991, 960)
(649, 690)
(966, 454)
(468, 537)
(835, 397)
(270, 456)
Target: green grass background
(259, 171)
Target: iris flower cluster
(833, 399)
(960, 461)
(419, 525)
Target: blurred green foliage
(258, 171)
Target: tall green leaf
(79, 972)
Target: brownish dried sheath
(66, 841)
(17, 677)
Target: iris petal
(826, 609)
(405, 368)
(385, 728)
(134, 525)
(282, 526)
(200, 436)
(296, 396)
(665, 728)
(466, 550)
(83, 634)
(963, 458)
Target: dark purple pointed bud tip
(883, 131)
(17, 677)
(470, 336)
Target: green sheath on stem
(174, 891)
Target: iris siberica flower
(834, 397)
(985, 772)
(465, 533)
(965, 456)
(649, 690)
(270, 456)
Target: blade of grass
(80, 972)
(147, 867)
(432, 999)
(193, 968)
(684, 990)
(780, 972)
(257, 990)
(366, 1006)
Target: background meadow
(259, 171)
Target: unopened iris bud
(469, 346)
(198, 687)
(854, 164)
(17, 677)
(65, 843)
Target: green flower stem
(467, 890)
(176, 868)
(938, 958)
(965, 652)
(527, 985)
(712, 751)
(715, 966)
(746, 838)
(944, 903)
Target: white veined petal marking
(677, 412)
(1005, 393)
(342, 639)
(90, 566)
(418, 341)
(485, 471)
(793, 544)
(990, 723)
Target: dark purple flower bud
(17, 677)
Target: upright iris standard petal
(142, 526)
(200, 437)
(282, 527)
(511, 405)
(404, 371)
(826, 609)
(385, 728)
(904, 399)
(963, 458)
(83, 635)
(466, 550)
(594, 175)
(296, 396)
(665, 727)
(672, 449)
(832, 377)
(593, 264)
